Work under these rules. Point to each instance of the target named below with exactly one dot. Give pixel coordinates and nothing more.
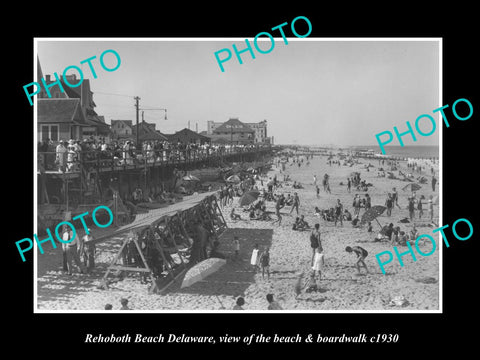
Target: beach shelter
(201, 270)
(412, 187)
(372, 214)
(248, 198)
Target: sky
(311, 91)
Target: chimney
(47, 77)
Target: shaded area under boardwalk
(237, 274)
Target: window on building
(49, 132)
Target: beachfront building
(121, 129)
(233, 131)
(94, 125)
(187, 136)
(259, 128)
(59, 119)
(147, 132)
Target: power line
(103, 93)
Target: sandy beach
(290, 253)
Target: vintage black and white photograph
(213, 175)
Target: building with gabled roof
(60, 119)
(259, 128)
(234, 131)
(147, 132)
(187, 136)
(121, 129)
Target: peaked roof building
(233, 131)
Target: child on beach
(236, 244)
(272, 304)
(369, 227)
(124, 303)
(254, 259)
(234, 216)
(361, 255)
(265, 263)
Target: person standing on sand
(349, 185)
(395, 197)
(88, 251)
(71, 250)
(430, 207)
(339, 212)
(389, 204)
(434, 182)
(420, 206)
(296, 203)
(254, 258)
(315, 241)
(356, 205)
(318, 263)
(265, 263)
(278, 206)
(411, 208)
(236, 244)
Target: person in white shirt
(61, 157)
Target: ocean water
(425, 151)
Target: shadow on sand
(237, 274)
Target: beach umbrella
(201, 270)
(372, 214)
(412, 187)
(233, 179)
(248, 198)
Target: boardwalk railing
(73, 161)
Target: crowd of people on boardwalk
(65, 156)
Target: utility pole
(136, 98)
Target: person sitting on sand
(369, 227)
(403, 238)
(386, 232)
(303, 224)
(395, 235)
(311, 283)
(124, 303)
(234, 216)
(361, 255)
(317, 212)
(413, 234)
(239, 303)
(356, 222)
(272, 304)
(347, 216)
(295, 224)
